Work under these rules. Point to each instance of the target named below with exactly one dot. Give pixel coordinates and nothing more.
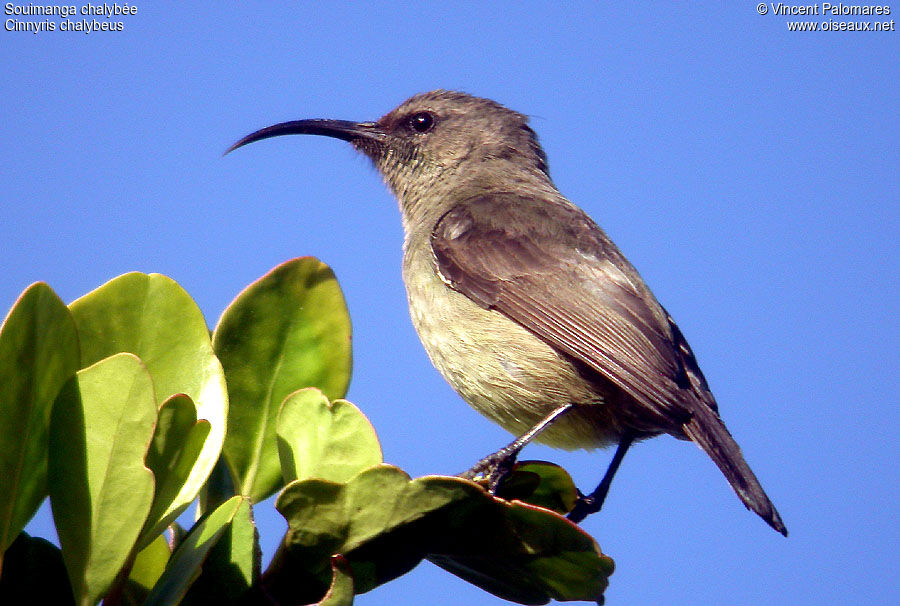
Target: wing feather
(548, 267)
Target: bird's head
(431, 140)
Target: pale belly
(504, 371)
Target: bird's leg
(497, 466)
(592, 503)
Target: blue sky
(749, 173)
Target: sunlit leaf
(177, 442)
(147, 568)
(154, 318)
(38, 353)
(100, 490)
(288, 330)
(321, 439)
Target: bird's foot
(495, 467)
(592, 503)
(585, 505)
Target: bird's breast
(499, 367)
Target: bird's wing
(548, 267)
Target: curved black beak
(339, 129)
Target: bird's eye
(421, 122)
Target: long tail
(707, 430)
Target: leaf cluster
(124, 409)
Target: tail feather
(707, 430)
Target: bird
(522, 302)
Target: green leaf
(540, 483)
(529, 556)
(318, 524)
(340, 593)
(397, 521)
(177, 442)
(232, 565)
(38, 353)
(372, 520)
(288, 330)
(383, 523)
(148, 567)
(383, 498)
(187, 560)
(100, 490)
(34, 574)
(219, 488)
(154, 318)
(317, 439)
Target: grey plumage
(522, 302)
